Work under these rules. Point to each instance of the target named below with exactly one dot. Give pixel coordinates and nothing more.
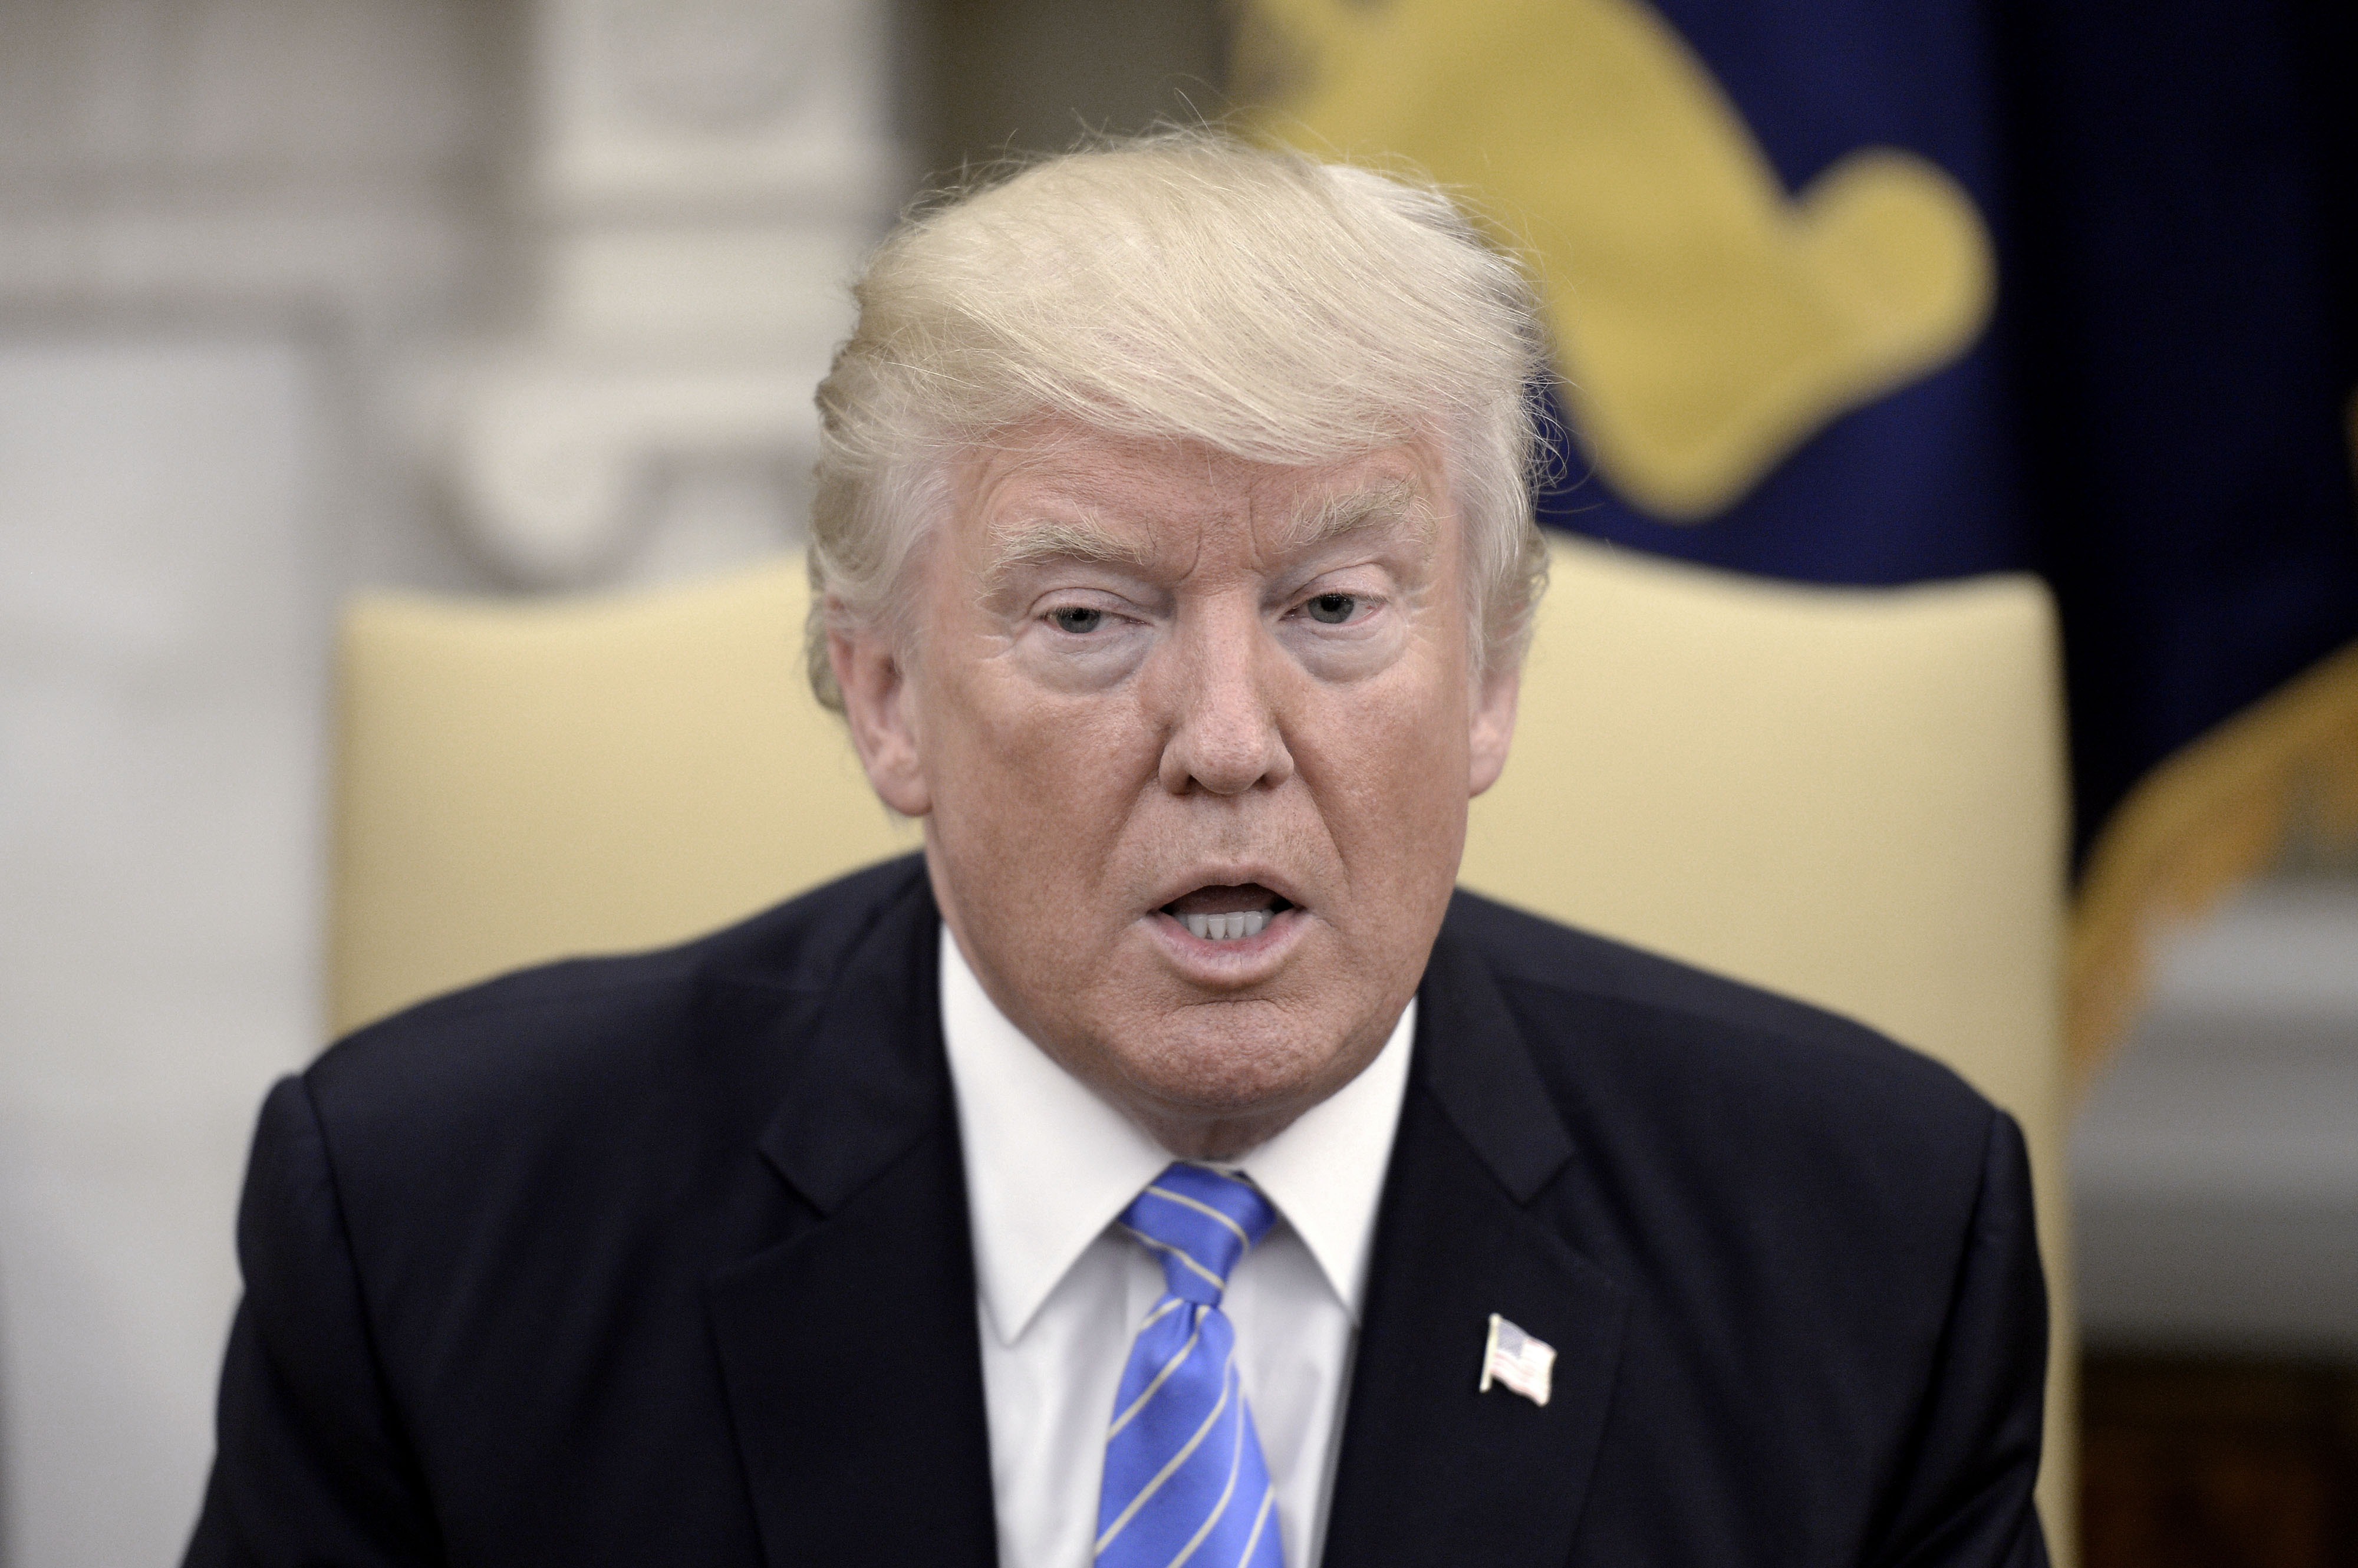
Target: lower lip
(1234, 959)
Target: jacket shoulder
(1645, 1019)
(556, 1031)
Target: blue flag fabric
(2158, 418)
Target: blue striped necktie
(1185, 1480)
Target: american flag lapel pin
(1517, 1361)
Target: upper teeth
(1227, 927)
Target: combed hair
(1183, 286)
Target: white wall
(160, 674)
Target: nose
(1224, 735)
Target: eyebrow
(1378, 506)
(1028, 544)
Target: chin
(1238, 1068)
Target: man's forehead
(1123, 503)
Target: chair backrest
(518, 781)
(1855, 796)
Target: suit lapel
(1432, 1471)
(851, 1349)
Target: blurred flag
(1512, 1358)
(1855, 293)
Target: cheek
(1392, 767)
(1021, 774)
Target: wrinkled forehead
(1064, 493)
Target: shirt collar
(1049, 1165)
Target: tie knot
(1199, 1222)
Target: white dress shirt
(1048, 1167)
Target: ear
(878, 701)
(1492, 727)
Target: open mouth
(1226, 914)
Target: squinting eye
(1333, 609)
(1077, 618)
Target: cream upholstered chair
(1854, 796)
(516, 780)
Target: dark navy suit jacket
(664, 1259)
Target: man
(1168, 1167)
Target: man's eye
(1077, 618)
(1333, 609)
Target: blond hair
(1182, 285)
